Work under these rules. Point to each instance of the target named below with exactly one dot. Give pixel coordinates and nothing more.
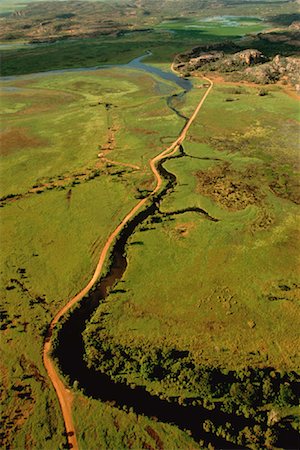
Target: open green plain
(224, 293)
(206, 312)
(124, 429)
(55, 188)
(244, 260)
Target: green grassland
(224, 292)
(216, 26)
(264, 147)
(56, 189)
(39, 116)
(123, 428)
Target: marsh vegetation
(195, 343)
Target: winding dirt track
(63, 393)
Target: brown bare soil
(288, 89)
(183, 229)
(143, 131)
(14, 140)
(155, 437)
(110, 140)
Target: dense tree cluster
(238, 389)
(256, 395)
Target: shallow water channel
(136, 63)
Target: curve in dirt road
(63, 393)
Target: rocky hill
(286, 69)
(249, 64)
(218, 60)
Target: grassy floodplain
(55, 188)
(164, 38)
(252, 228)
(223, 292)
(124, 429)
(216, 26)
(205, 313)
(164, 41)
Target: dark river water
(70, 351)
(70, 354)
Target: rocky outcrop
(249, 64)
(204, 58)
(286, 69)
(249, 57)
(295, 26)
(217, 60)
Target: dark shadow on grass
(191, 209)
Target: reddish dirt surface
(64, 395)
(290, 92)
(15, 140)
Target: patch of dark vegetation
(287, 186)
(287, 291)
(61, 182)
(19, 394)
(228, 187)
(282, 180)
(240, 395)
(34, 299)
(14, 418)
(5, 320)
(285, 19)
(31, 371)
(69, 196)
(195, 209)
(142, 193)
(65, 16)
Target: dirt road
(63, 393)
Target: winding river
(136, 64)
(70, 352)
